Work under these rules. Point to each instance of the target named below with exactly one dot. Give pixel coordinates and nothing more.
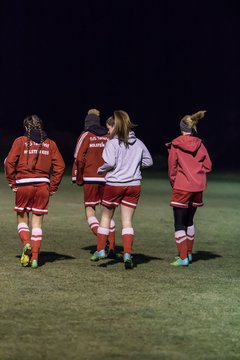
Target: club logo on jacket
(34, 151)
(97, 144)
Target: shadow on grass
(204, 255)
(93, 248)
(138, 258)
(51, 256)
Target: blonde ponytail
(189, 122)
(122, 126)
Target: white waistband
(32, 180)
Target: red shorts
(93, 194)
(184, 199)
(33, 198)
(124, 195)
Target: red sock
(127, 239)
(181, 242)
(24, 233)
(102, 236)
(111, 236)
(36, 240)
(190, 238)
(93, 224)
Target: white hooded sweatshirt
(123, 163)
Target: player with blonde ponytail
(124, 155)
(188, 164)
(34, 168)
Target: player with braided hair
(34, 168)
(188, 164)
(32, 123)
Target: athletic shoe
(34, 264)
(189, 258)
(180, 262)
(26, 253)
(128, 263)
(98, 255)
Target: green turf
(72, 309)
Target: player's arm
(207, 163)
(146, 157)
(58, 167)
(172, 165)
(80, 157)
(10, 163)
(109, 157)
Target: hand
(79, 181)
(100, 171)
(14, 189)
(51, 193)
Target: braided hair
(30, 123)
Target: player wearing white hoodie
(124, 155)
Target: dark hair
(33, 122)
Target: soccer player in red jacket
(188, 164)
(34, 168)
(88, 158)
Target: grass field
(72, 309)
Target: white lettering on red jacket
(88, 158)
(49, 167)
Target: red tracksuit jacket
(49, 167)
(188, 163)
(88, 158)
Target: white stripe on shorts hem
(178, 203)
(34, 209)
(92, 203)
(110, 202)
(126, 202)
(18, 208)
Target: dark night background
(158, 60)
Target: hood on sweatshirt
(97, 130)
(186, 143)
(131, 138)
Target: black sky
(158, 61)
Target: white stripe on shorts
(110, 202)
(178, 203)
(126, 202)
